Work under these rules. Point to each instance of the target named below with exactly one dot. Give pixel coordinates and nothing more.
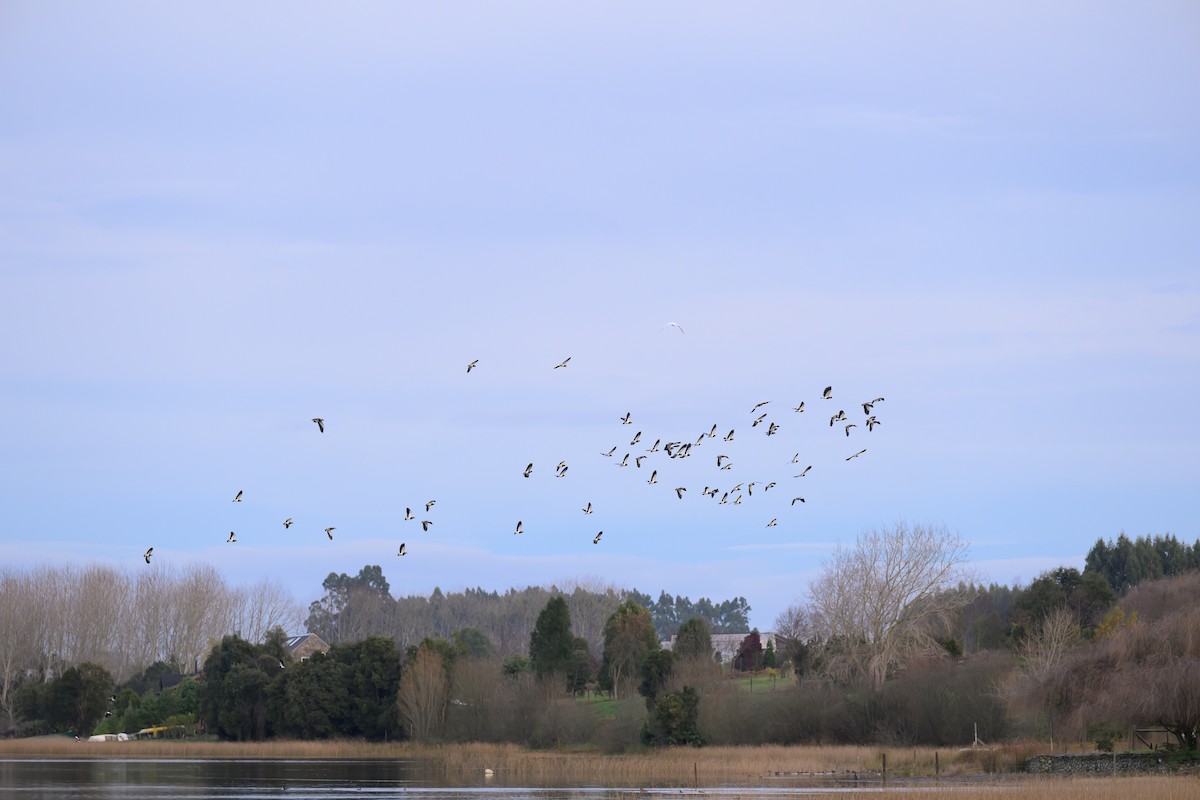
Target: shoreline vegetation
(910, 771)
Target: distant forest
(1084, 654)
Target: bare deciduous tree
(423, 695)
(887, 598)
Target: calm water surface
(225, 779)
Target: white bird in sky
(757, 406)
(237, 498)
(147, 554)
(653, 477)
(232, 537)
(827, 394)
(425, 523)
(610, 452)
(430, 504)
(588, 508)
(625, 420)
(520, 528)
(679, 490)
(320, 423)
(528, 470)
(624, 462)
(470, 367)
(654, 447)
(329, 533)
(800, 408)
(729, 436)
(563, 364)
(856, 455)
(287, 523)
(636, 437)
(408, 513)
(597, 539)
(848, 427)
(805, 472)
(671, 325)
(401, 552)
(773, 522)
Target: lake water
(226, 779)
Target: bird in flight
(872, 422)
(848, 427)
(805, 472)
(653, 477)
(773, 522)
(712, 434)
(760, 419)
(401, 552)
(625, 420)
(838, 417)
(408, 513)
(329, 533)
(232, 537)
(636, 437)
(729, 436)
(588, 508)
(637, 461)
(520, 528)
(624, 462)
(287, 523)
(772, 429)
(470, 367)
(827, 394)
(564, 363)
(430, 504)
(528, 470)
(800, 408)
(320, 423)
(679, 490)
(610, 452)
(425, 523)
(856, 455)
(654, 447)
(672, 325)
(147, 554)
(597, 539)
(562, 471)
(797, 499)
(237, 498)
(757, 406)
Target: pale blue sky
(219, 221)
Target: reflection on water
(226, 779)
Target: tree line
(893, 644)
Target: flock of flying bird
(671, 449)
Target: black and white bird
(425, 523)
(636, 438)
(774, 521)
(769, 486)
(653, 477)
(597, 539)
(720, 457)
(827, 394)
(712, 434)
(588, 508)
(757, 406)
(287, 523)
(563, 364)
(627, 419)
(281, 663)
(320, 423)
(562, 471)
(232, 537)
(430, 505)
(147, 554)
(401, 551)
(637, 461)
(470, 367)
(624, 462)
(797, 500)
(237, 498)
(772, 429)
(654, 447)
(408, 514)
(520, 528)
(871, 423)
(528, 470)
(800, 408)
(856, 455)
(760, 419)
(838, 417)
(672, 325)
(848, 427)
(610, 452)
(329, 533)
(679, 490)
(729, 436)
(805, 472)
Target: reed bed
(978, 773)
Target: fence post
(885, 767)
